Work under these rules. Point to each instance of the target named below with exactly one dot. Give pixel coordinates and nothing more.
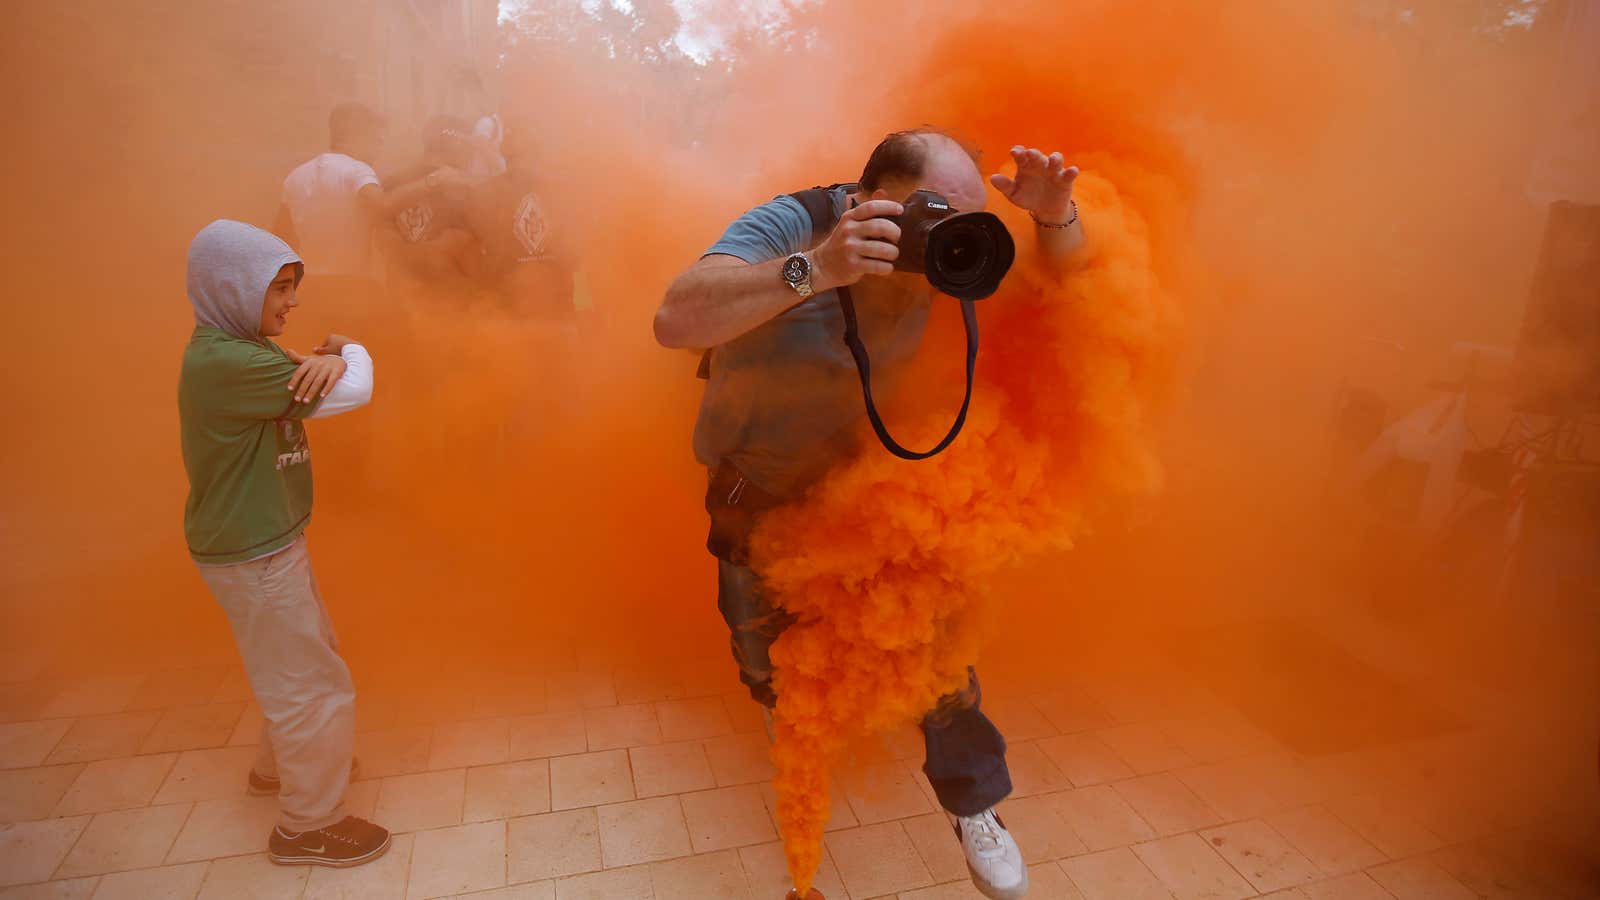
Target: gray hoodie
(230, 266)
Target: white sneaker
(993, 857)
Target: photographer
(783, 403)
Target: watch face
(796, 269)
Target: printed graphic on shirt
(528, 226)
(414, 223)
(292, 435)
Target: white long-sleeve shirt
(354, 387)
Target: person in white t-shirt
(332, 201)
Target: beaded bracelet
(1067, 224)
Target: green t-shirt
(244, 447)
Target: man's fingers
(877, 266)
(877, 228)
(878, 250)
(1003, 184)
(298, 376)
(1055, 160)
(873, 209)
(295, 357)
(1068, 175)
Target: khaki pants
(303, 687)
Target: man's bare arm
(721, 297)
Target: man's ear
(880, 194)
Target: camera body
(963, 254)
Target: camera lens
(969, 254)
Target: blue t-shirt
(784, 398)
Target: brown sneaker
(346, 843)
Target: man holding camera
(783, 401)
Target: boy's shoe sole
(314, 860)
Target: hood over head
(230, 266)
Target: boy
(241, 402)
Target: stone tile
(473, 742)
(877, 859)
(641, 831)
(1261, 855)
(1214, 739)
(104, 737)
(1191, 870)
(24, 745)
(1084, 759)
(166, 883)
(620, 727)
(711, 876)
(1488, 873)
(1234, 789)
(1017, 718)
(31, 851)
(939, 848)
(361, 799)
(235, 686)
(1100, 818)
(33, 793)
(253, 878)
(553, 845)
(1332, 846)
(1419, 879)
(1167, 804)
(882, 792)
(533, 890)
(740, 759)
(118, 784)
(1114, 875)
(1145, 748)
(590, 779)
(247, 732)
(382, 879)
(1355, 886)
(207, 775)
(1133, 701)
(633, 883)
(569, 691)
(670, 769)
(228, 827)
(129, 839)
(548, 734)
(394, 751)
(646, 685)
(69, 889)
(1390, 830)
(690, 720)
(504, 698)
(744, 714)
(768, 872)
(1048, 881)
(1071, 711)
(1032, 772)
(179, 687)
(457, 860)
(421, 801)
(727, 817)
(1039, 829)
(507, 790)
(99, 695)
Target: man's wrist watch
(797, 274)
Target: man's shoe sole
(331, 863)
(994, 893)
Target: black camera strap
(858, 350)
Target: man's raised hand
(1042, 185)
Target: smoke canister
(813, 894)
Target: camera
(964, 254)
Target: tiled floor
(652, 781)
